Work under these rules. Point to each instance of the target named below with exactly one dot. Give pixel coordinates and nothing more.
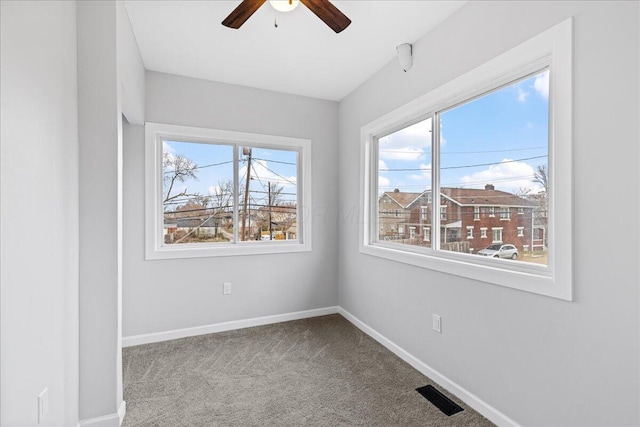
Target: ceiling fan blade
(328, 13)
(241, 13)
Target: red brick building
(470, 219)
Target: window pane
(494, 170)
(404, 186)
(268, 192)
(197, 192)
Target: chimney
(489, 187)
(397, 190)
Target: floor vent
(442, 402)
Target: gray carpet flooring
(313, 372)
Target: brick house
(470, 219)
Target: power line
(462, 166)
(200, 167)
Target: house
(78, 86)
(475, 217)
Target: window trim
(154, 242)
(553, 49)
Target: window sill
(513, 274)
(222, 249)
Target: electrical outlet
(226, 288)
(437, 323)
(43, 404)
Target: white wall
(539, 360)
(39, 214)
(111, 84)
(165, 295)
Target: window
(520, 231)
(426, 233)
(412, 232)
(498, 152)
(520, 210)
(423, 212)
(397, 213)
(216, 193)
(504, 213)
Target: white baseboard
(488, 411)
(224, 326)
(111, 420)
(122, 410)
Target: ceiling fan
(323, 9)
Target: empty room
(319, 213)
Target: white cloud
(507, 176)
(167, 148)
(408, 144)
(383, 182)
(541, 84)
(422, 129)
(408, 154)
(425, 173)
(522, 95)
(382, 165)
(529, 125)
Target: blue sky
(215, 166)
(500, 138)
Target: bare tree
(177, 169)
(540, 177)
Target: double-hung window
(497, 140)
(218, 193)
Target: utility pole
(247, 152)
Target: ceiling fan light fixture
(284, 5)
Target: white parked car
(500, 251)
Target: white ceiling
(302, 56)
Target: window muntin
(212, 192)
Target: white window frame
(505, 213)
(476, 213)
(155, 248)
(424, 210)
(443, 212)
(552, 49)
(426, 231)
(520, 231)
(483, 232)
(493, 239)
(469, 231)
(412, 232)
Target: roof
(477, 197)
(464, 197)
(402, 198)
